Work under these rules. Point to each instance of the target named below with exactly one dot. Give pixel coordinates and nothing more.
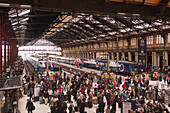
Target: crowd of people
(82, 91)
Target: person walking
(29, 106)
(46, 96)
(165, 78)
(82, 106)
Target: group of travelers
(74, 92)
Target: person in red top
(83, 89)
(124, 86)
(143, 80)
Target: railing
(2, 82)
(10, 82)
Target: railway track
(28, 67)
(71, 70)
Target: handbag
(33, 107)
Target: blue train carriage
(126, 67)
(79, 63)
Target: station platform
(42, 108)
(74, 68)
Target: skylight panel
(139, 27)
(123, 30)
(24, 12)
(25, 19)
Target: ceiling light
(135, 14)
(25, 6)
(119, 13)
(4, 5)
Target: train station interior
(84, 56)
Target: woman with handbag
(30, 106)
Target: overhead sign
(141, 55)
(50, 77)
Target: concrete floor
(42, 108)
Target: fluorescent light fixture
(135, 14)
(119, 13)
(4, 5)
(25, 6)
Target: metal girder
(81, 31)
(92, 6)
(35, 16)
(76, 33)
(107, 24)
(88, 29)
(95, 26)
(40, 23)
(162, 7)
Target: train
(77, 62)
(115, 66)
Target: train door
(161, 61)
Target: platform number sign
(141, 55)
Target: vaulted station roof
(69, 22)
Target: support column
(1, 44)
(8, 53)
(117, 56)
(136, 56)
(129, 56)
(113, 56)
(5, 37)
(123, 55)
(154, 59)
(165, 54)
(1, 52)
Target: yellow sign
(142, 41)
(109, 69)
(111, 76)
(47, 70)
(107, 76)
(50, 77)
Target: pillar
(165, 58)
(1, 44)
(113, 56)
(117, 56)
(123, 55)
(5, 37)
(8, 53)
(136, 56)
(129, 56)
(0, 53)
(154, 59)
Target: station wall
(158, 50)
